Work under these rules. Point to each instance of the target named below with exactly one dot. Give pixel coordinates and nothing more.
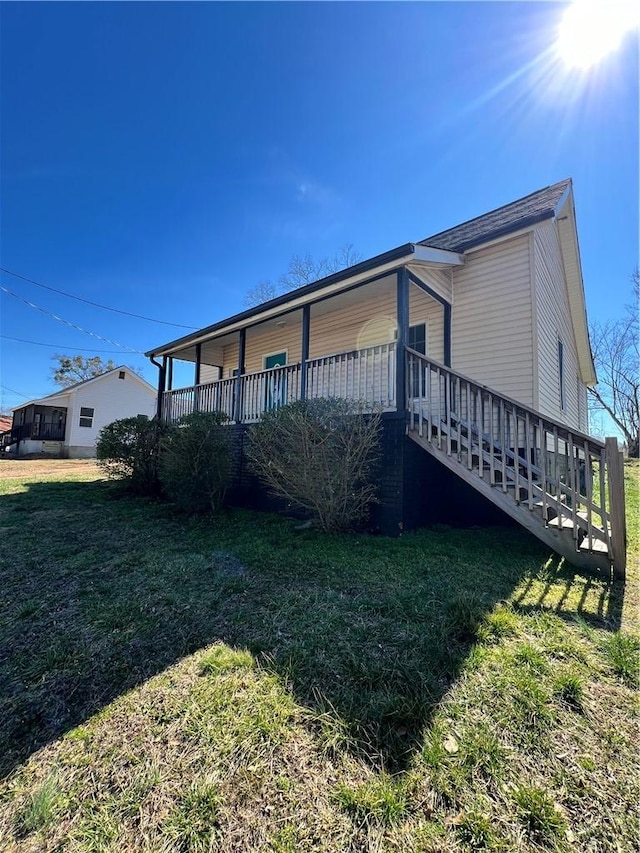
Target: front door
(275, 382)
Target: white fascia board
(292, 304)
(570, 250)
(51, 400)
(503, 238)
(429, 255)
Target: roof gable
(511, 217)
(537, 207)
(70, 390)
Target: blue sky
(164, 158)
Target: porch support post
(306, 324)
(402, 310)
(241, 353)
(161, 382)
(447, 334)
(170, 374)
(196, 378)
(615, 470)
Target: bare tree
(302, 269)
(262, 292)
(616, 356)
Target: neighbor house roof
(523, 213)
(57, 396)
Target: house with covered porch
(67, 423)
(473, 343)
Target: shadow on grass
(101, 591)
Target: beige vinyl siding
(370, 320)
(373, 321)
(491, 322)
(208, 373)
(439, 280)
(553, 323)
(366, 318)
(263, 340)
(424, 309)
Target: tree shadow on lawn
(102, 591)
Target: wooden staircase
(565, 487)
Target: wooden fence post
(615, 471)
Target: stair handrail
(538, 430)
(518, 403)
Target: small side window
(121, 374)
(86, 416)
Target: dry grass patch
(37, 469)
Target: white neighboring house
(68, 422)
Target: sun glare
(592, 29)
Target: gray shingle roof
(526, 211)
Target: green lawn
(230, 684)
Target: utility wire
(67, 322)
(95, 304)
(19, 393)
(59, 346)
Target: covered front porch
(367, 375)
(348, 344)
(39, 423)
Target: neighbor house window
(561, 373)
(121, 375)
(86, 416)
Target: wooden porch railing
(269, 389)
(573, 480)
(34, 430)
(365, 375)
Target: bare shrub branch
(320, 456)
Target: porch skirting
(414, 489)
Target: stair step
(597, 546)
(558, 534)
(564, 522)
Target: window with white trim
(86, 416)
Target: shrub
(195, 461)
(128, 449)
(320, 456)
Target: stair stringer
(561, 541)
